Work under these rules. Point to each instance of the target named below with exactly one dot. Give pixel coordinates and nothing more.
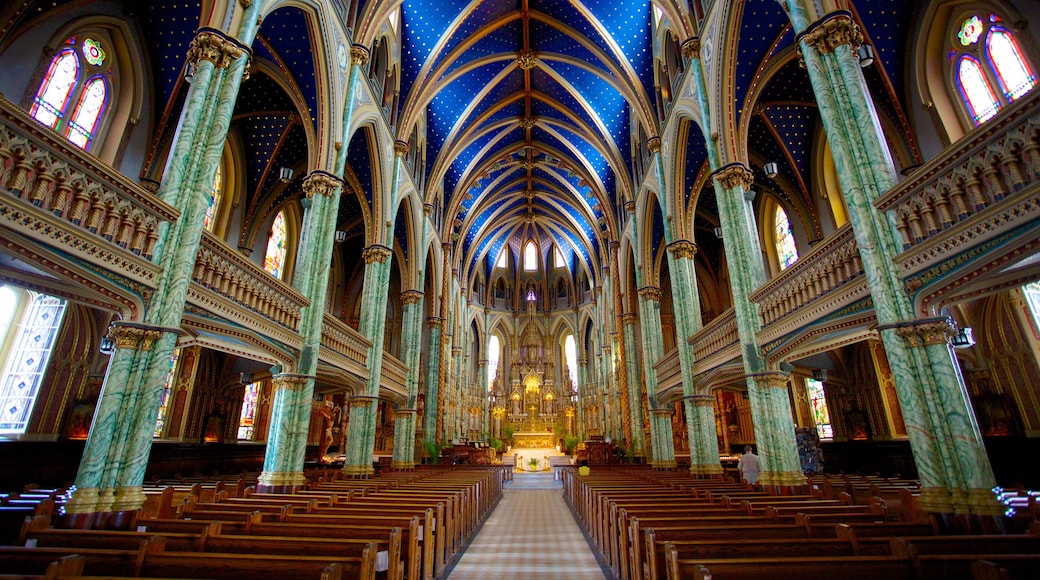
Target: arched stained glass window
(53, 96)
(214, 201)
(274, 260)
(501, 262)
(247, 420)
(990, 69)
(75, 91)
(1012, 71)
(494, 352)
(530, 257)
(34, 336)
(561, 260)
(570, 352)
(820, 414)
(164, 399)
(85, 117)
(976, 91)
(786, 251)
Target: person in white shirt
(749, 465)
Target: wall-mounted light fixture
(866, 55)
(963, 339)
(285, 173)
(771, 169)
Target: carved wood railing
(715, 336)
(394, 375)
(994, 162)
(338, 337)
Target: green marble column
(633, 362)
(287, 444)
(361, 432)
(404, 418)
(435, 324)
(775, 437)
(583, 388)
(952, 464)
(663, 448)
(704, 446)
(116, 453)
(482, 392)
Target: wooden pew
(844, 567)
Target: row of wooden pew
(651, 525)
(401, 524)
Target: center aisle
(531, 534)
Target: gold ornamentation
(691, 48)
(400, 147)
(526, 59)
(627, 318)
(411, 297)
(289, 382)
(782, 478)
(935, 500)
(528, 121)
(321, 183)
(705, 469)
(651, 293)
(683, 249)
(735, 175)
(404, 413)
(701, 400)
(630, 207)
(362, 401)
(832, 32)
(133, 337)
(214, 46)
(376, 253)
(662, 413)
(282, 479)
(653, 144)
(771, 379)
(359, 55)
(927, 331)
(435, 321)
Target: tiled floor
(531, 534)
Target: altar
(534, 440)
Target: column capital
(435, 321)
(734, 175)
(654, 144)
(411, 297)
(216, 47)
(771, 379)
(662, 412)
(427, 209)
(630, 206)
(482, 362)
(682, 249)
(362, 401)
(924, 331)
(359, 54)
(701, 400)
(456, 350)
(404, 413)
(400, 147)
(321, 183)
(691, 48)
(651, 293)
(376, 253)
(627, 318)
(832, 31)
(290, 382)
(136, 336)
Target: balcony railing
(716, 336)
(343, 340)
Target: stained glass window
(494, 351)
(53, 96)
(1032, 292)
(31, 349)
(990, 74)
(530, 257)
(274, 261)
(501, 263)
(786, 251)
(818, 403)
(214, 202)
(561, 261)
(88, 111)
(247, 419)
(570, 351)
(164, 399)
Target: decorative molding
(626, 318)
(654, 144)
(526, 59)
(682, 249)
(734, 175)
(400, 147)
(290, 382)
(771, 379)
(411, 297)
(134, 336)
(321, 183)
(216, 47)
(832, 31)
(650, 293)
(924, 331)
(359, 55)
(376, 253)
(691, 48)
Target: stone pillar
(404, 418)
(290, 419)
(432, 378)
(583, 388)
(774, 432)
(632, 368)
(955, 470)
(663, 447)
(482, 391)
(704, 459)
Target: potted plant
(569, 443)
(533, 462)
(433, 449)
(507, 436)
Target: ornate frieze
(290, 382)
(133, 336)
(927, 331)
(321, 183)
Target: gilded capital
(662, 413)
(691, 48)
(653, 144)
(652, 293)
(526, 59)
(833, 31)
(411, 297)
(359, 55)
(628, 318)
(133, 337)
(216, 47)
(362, 401)
(456, 350)
(435, 321)
(701, 400)
(683, 249)
(288, 382)
(735, 175)
(927, 331)
(322, 183)
(376, 253)
(771, 379)
(400, 147)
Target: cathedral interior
(245, 234)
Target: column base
(402, 465)
(128, 498)
(663, 464)
(280, 481)
(358, 471)
(83, 501)
(971, 502)
(784, 482)
(706, 471)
